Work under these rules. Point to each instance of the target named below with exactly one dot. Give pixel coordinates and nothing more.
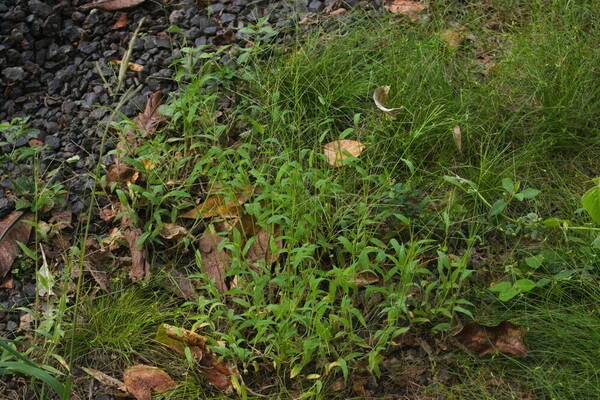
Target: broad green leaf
(591, 203)
(535, 261)
(497, 207)
(527, 194)
(508, 294)
(524, 285)
(501, 287)
(508, 185)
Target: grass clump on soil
(383, 257)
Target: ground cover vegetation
(354, 272)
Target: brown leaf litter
(13, 228)
(141, 380)
(339, 150)
(505, 337)
(111, 5)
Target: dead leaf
(141, 380)
(380, 96)
(260, 250)
(457, 135)
(408, 8)
(105, 380)
(35, 143)
(217, 206)
(131, 65)
(107, 213)
(358, 386)
(111, 5)
(453, 38)
(215, 262)
(336, 151)
(148, 120)
(339, 11)
(224, 38)
(182, 286)
(365, 278)
(218, 373)
(309, 19)
(96, 262)
(25, 322)
(13, 229)
(330, 6)
(483, 340)
(121, 172)
(8, 283)
(140, 269)
(172, 231)
(122, 22)
(60, 221)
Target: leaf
(215, 261)
(217, 206)
(132, 66)
(182, 286)
(591, 203)
(106, 380)
(457, 136)
(111, 5)
(172, 231)
(13, 229)
(336, 151)
(527, 194)
(452, 38)
(260, 251)
(508, 294)
(140, 269)
(408, 8)
(148, 120)
(497, 207)
(508, 185)
(534, 261)
(44, 278)
(524, 285)
(379, 97)
(218, 373)
(121, 172)
(500, 287)
(122, 22)
(365, 278)
(483, 340)
(141, 380)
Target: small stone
(176, 17)
(315, 6)
(11, 326)
(40, 9)
(29, 290)
(14, 73)
(226, 18)
(53, 142)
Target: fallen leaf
(309, 19)
(35, 143)
(122, 22)
(452, 38)
(13, 229)
(224, 38)
(121, 172)
(25, 322)
(181, 286)
(336, 151)
(330, 6)
(365, 278)
(339, 11)
(96, 261)
(131, 65)
(172, 231)
(218, 373)
(60, 221)
(107, 213)
(358, 386)
(457, 135)
(111, 5)
(8, 283)
(217, 206)
(215, 262)
(260, 252)
(140, 269)
(483, 340)
(105, 380)
(379, 96)
(408, 8)
(148, 120)
(141, 380)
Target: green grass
(411, 210)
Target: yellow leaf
(132, 66)
(339, 150)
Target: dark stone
(11, 326)
(29, 290)
(226, 18)
(40, 9)
(6, 206)
(53, 142)
(14, 73)
(315, 6)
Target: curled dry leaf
(123, 173)
(452, 38)
(218, 373)
(140, 269)
(172, 231)
(224, 38)
(111, 5)
(35, 143)
(96, 262)
(131, 65)
(260, 251)
(215, 261)
(457, 136)
(365, 278)
(483, 340)
(337, 151)
(60, 221)
(105, 380)
(219, 205)
(141, 380)
(408, 8)
(107, 213)
(339, 11)
(13, 228)
(122, 22)
(380, 96)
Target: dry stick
(127, 57)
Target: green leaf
(591, 203)
(508, 294)
(497, 207)
(508, 185)
(524, 285)
(500, 287)
(535, 261)
(527, 194)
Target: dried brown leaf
(309, 19)
(380, 96)
(148, 120)
(122, 22)
(483, 340)
(13, 229)
(60, 221)
(172, 231)
(339, 11)
(140, 269)
(218, 373)
(224, 38)
(215, 262)
(260, 251)
(111, 5)
(141, 380)
(35, 143)
(121, 172)
(105, 380)
(107, 213)
(408, 8)
(131, 65)
(365, 278)
(217, 206)
(457, 136)
(452, 38)
(8, 283)
(336, 151)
